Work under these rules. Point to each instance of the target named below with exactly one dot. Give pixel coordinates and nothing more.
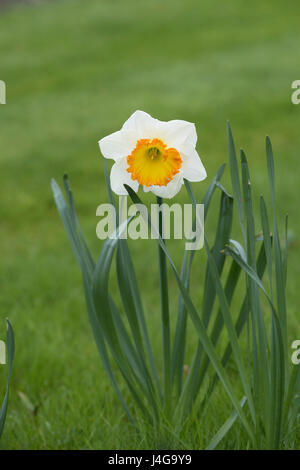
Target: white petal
(119, 176)
(117, 145)
(178, 134)
(168, 191)
(192, 168)
(147, 189)
(142, 125)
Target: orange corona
(153, 163)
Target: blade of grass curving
(134, 358)
(260, 342)
(230, 286)
(231, 332)
(211, 189)
(82, 258)
(179, 343)
(222, 238)
(207, 344)
(70, 221)
(240, 323)
(127, 367)
(235, 179)
(129, 285)
(103, 310)
(100, 343)
(251, 289)
(194, 379)
(267, 240)
(133, 308)
(277, 353)
(124, 251)
(83, 262)
(225, 428)
(165, 315)
(80, 255)
(285, 252)
(279, 269)
(281, 309)
(130, 295)
(271, 405)
(125, 341)
(178, 351)
(121, 331)
(251, 273)
(88, 256)
(10, 339)
(229, 325)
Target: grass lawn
(75, 70)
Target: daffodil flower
(155, 154)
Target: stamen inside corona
(153, 163)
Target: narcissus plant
(161, 156)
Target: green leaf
(195, 377)
(88, 257)
(230, 286)
(285, 253)
(222, 238)
(277, 357)
(241, 320)
(259, 337)
(224, 306)
(279, 268)
(267, 240)
(204, 338)
(111, 335)
(122, 356)
(132, 303)
(236, 187)
(165, 315)
(131, 300)
(178, 351)
(87, 273)
(231, 331)
(225, 428)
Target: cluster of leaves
(269, 408)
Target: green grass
(75, 70)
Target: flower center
(153, 163)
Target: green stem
(164, 299)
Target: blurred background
(75, 71)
